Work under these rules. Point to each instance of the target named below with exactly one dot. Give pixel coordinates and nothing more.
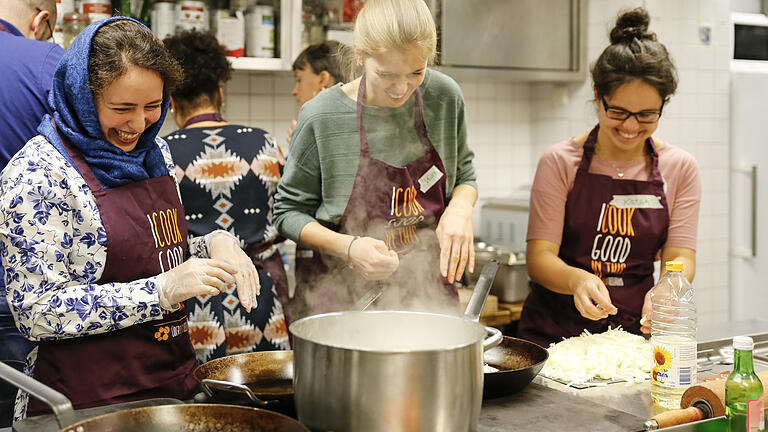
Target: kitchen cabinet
(527, 40)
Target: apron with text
(146, 235)
(398, 205)
(614, 229)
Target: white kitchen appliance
(505, 222)
(749, 167)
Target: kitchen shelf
(259, 64)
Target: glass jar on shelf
(72, 24)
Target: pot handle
(208, 384)
(61, 406)
(492, 339)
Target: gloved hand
(225, 247)
(194, 277)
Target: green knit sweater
(325, 149)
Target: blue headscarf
(76, 118)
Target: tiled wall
(510, 123)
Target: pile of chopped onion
(613, 355)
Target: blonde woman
(380, 168)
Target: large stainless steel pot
(391, 371)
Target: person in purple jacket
(27, 63)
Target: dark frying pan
(263, 376)
(518, 362)
(190, 418)
(193, 418)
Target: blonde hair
(383, 25)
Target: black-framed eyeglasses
(48, 24)
(616, 113)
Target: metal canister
(163, 19)
(97, 9)
(191, 14)
(260, 31)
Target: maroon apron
(605, 235)
(398, 205)
(146, 235)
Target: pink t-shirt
(557, 171)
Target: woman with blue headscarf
(93, 238)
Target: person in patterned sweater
(227, 175)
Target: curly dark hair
(634, 54)
(205, 66)
(121, 44)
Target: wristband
(349, 248)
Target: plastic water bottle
(744, 391)
(673, 337)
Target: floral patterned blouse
(53, 248)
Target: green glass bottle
(744, 391)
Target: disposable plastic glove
(194, 277)
(225, 247)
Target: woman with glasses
(606, 204)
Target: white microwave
(749, 37)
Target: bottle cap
(674, 266)
(743, 343)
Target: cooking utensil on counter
(192, 418)
(391, 371)
(264, 377)
(518, 362)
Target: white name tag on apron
(614, 281)
(429, 179)
(636, 201)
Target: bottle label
(674, 362)
(755, 417)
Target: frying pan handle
(59, 403)
(493, 338)
(482, 288)
(208, 384)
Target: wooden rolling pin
(699, 402)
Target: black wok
(518, 362)
(263, 376)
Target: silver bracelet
(349, 248)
